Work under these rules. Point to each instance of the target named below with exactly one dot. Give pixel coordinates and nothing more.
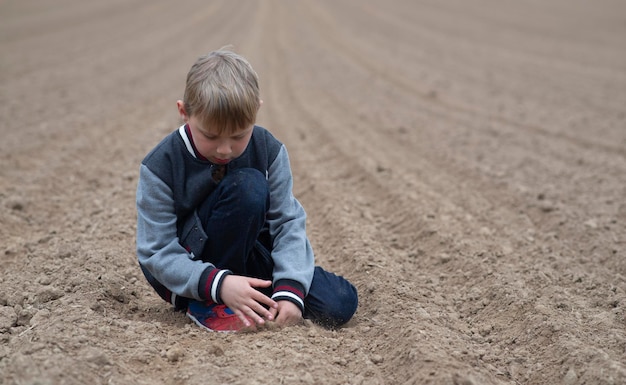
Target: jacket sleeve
(158, 247)
(292, 253)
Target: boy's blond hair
(222, 92)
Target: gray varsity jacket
(173, 182)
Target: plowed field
(462, 163)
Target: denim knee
(233, 216)
(332, 300)
(346, 303)
(247, 188)
(243, 192)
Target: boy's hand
(239, 294)
(288, 314)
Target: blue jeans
(234, 218)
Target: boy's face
(217, 148)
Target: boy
(219, 232)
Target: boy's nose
(224, 148)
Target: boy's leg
(332, 300)
(233, 217)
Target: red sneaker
(216, 318)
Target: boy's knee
(337, 300)
(337, 316)
(248, 187)
(346, 305)
(247, 177)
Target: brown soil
(463, 163)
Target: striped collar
(185, 133)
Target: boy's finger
(261, 313)
(254, 282)
(256, 312)
(263, 299)
(256, 305)
(246, 320)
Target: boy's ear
(181, 111)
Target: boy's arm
(292, 253)
(158, 247)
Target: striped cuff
(288, 290)
(211, 283)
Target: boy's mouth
(220, 161)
